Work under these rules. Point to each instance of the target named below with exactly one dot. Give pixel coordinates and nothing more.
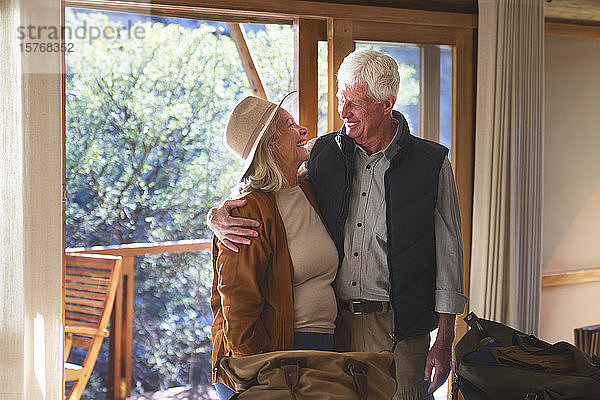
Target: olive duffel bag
(496, 362)
(308, 374)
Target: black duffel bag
(496, 362)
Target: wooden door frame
(342, 34)
(341, 37)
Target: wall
(571, 208)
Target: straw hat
(247, 124)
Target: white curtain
(30, 205)
(506, 252)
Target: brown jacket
(252, 299)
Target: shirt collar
(392, 148)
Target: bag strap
(291, 372)
(358, 371)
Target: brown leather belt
(358, 307)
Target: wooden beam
(463, 143)
(63, 89)
(339, 45)
(175, 11)
(571, 30)
(121, 335)
(239, 37)
(138, 249)
(308, 32)
(290, 9)
(128, 283)
(390, 32)
(463, 150)
(429, 92)
(571, 277)
(580, 11)
(115, 353)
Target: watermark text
(81, 32)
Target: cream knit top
(315, 261)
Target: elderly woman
(276, 293)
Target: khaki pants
(371, 332)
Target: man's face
(363, 117)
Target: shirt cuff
(450, 302)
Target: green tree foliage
(145, 124)
(145, 162)
(272, 49)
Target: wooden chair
(588, 339)
(90, 286)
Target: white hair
(376, 70)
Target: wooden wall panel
(387, 32)
(463, 140)
(308, 32)
(339, 45)
(571, 30)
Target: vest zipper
(349, 176)
(386, 185)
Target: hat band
(265, 120)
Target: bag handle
(530, 343)
(291, 372)
(358, 371)
(240, 384)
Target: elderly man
(390, 202)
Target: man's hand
(228, 229)
(440, 355)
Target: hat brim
(289, 97)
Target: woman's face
(288, 149)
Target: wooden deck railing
(121, 326)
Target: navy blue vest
(411, 186)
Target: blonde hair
(264, 174)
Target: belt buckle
(352, 303)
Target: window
(147, 102)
